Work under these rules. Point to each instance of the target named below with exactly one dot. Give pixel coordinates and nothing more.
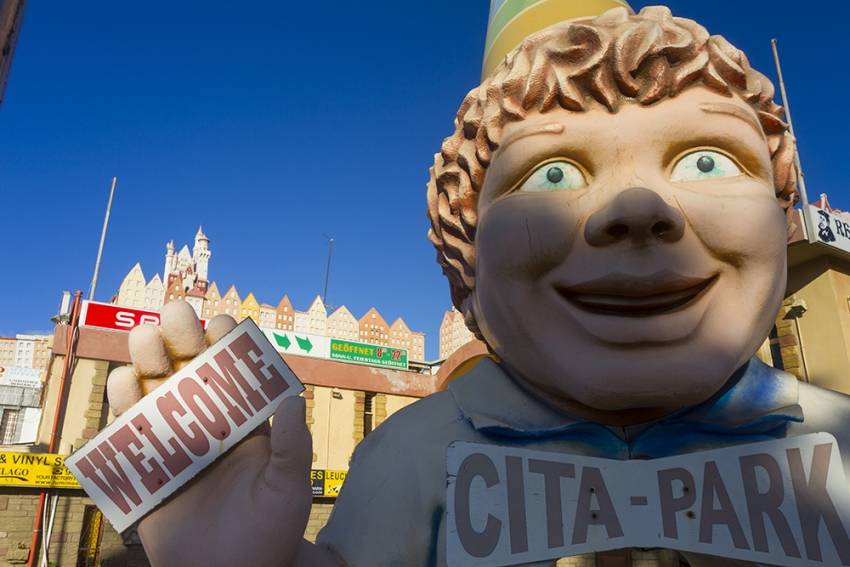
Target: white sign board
(177, 430)
(302, 344)
(830, 228)
(20, 377)
(782, 502)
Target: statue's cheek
(525, 235)
(736, 222)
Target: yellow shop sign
(326, 482)
(40, 470)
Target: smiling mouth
(629, 297)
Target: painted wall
(86, 403)
(333, 428)
(823, 286)
(395, 403)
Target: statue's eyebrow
(733, 110)
(548, 128)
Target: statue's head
(611, 208)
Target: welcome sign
(180, 428)
(783, 502)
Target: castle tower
(169, 259)
(201, 254)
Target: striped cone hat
(511, 21)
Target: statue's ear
(793, 222)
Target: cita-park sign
(184, 425)
(781, 502)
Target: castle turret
(169, 259)
(201, 254)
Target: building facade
(373, 328)
(345, 402)
(343, 325)
(23, 362)
(453, 333)
(186, 277)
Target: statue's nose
(637, 214)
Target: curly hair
(618, 57)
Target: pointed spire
(200, 234)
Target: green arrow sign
(304, 344)
(282, 340)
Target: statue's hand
(251, 506)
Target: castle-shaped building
(186, 276)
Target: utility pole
(328, 268)
(801, 181)
(102, 240)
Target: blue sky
(276, 123)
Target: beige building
(20, 404)
(811, 338)
(453, 333)
(136, 293)
(345, 402)
(343, 325)
(7, 351)
(212, 304)
(131, 292)
(317, 317)
(154, 293)
(401, 336)
(25, 351)
(268, 314)
(373, 328)
(302, 322)
(232, 303)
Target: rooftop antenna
(102, 240)
(801, 181)
(328, 268)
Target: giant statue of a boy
(610, 212)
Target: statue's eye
(704, 164)
(554, 176)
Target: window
(8, 426)
(368, 413)
(90, 537)
(775, 349)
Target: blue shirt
(391, 509)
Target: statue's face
(630, 260)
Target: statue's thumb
(291, 445)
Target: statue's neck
(616, 418)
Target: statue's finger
(147, 352)
(181, 330)
(148, 385)
(122, 389)
(219, 326)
